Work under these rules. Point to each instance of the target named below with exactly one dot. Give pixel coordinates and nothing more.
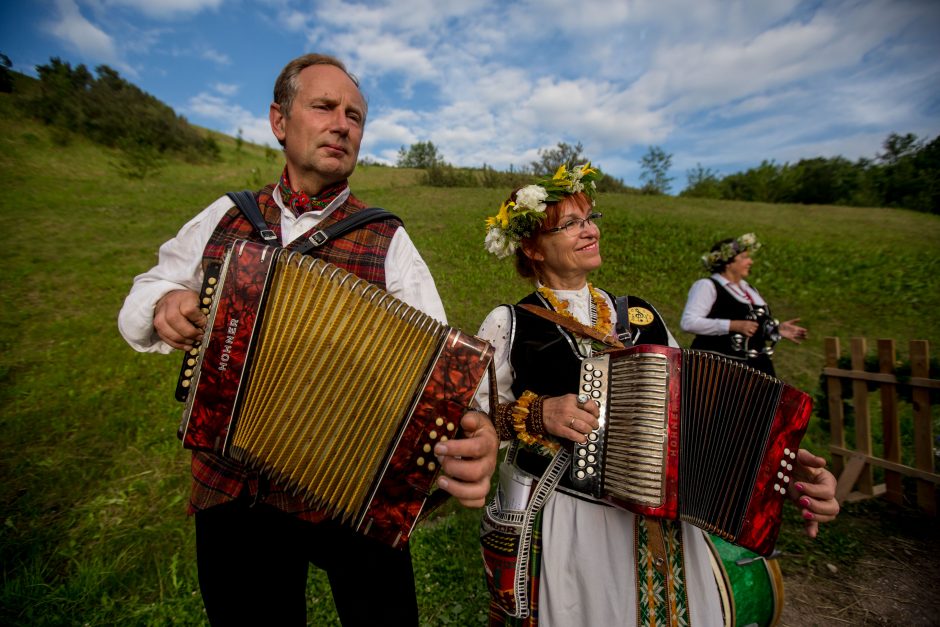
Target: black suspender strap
(623, 321)
(246, 202)
(360, 218)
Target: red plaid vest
(217, 480)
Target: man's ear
(277, 120)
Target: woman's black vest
(727, 307)
(546, 361)
(545, 357)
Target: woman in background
(727, 315)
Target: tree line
(439, 173)
(905, 174)
(110, 111)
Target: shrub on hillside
(110, 111)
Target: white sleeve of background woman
(695, 318)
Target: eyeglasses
(574, 227)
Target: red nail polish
(804, 501)
(799, 486)
(808, 515)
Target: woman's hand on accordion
(566, 417)
(467, 463)
(814, 491)
(178, 320)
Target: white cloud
(226, 89)
(166, 9)
(77, 32)
(231, 118)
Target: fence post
(834, 398)
(923, 431)
(866, 480)
(891, 431)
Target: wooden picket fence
(854, 468)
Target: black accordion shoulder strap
(246, 202)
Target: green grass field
(94, 481)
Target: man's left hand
(468, 463)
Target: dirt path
(895, 580)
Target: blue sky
(725, 84)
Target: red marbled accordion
(692, 435)
(328, 385)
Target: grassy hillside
(94, 482)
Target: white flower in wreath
(498, 244)
(531, 198)
(748, 240)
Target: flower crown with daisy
(716, 260)
(520, 218)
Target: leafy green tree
(6, 79)
(552, 158)
(422, 155)
(655, 166)
(702, 183)
(109, 110)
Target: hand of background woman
(792, 332)
(814, 491)
(746, 328)
(564, 417)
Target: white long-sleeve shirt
(179, 266)
(702, 296)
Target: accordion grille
(636, 427)
(336, 369)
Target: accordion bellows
(328, 385)
(692, 435)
